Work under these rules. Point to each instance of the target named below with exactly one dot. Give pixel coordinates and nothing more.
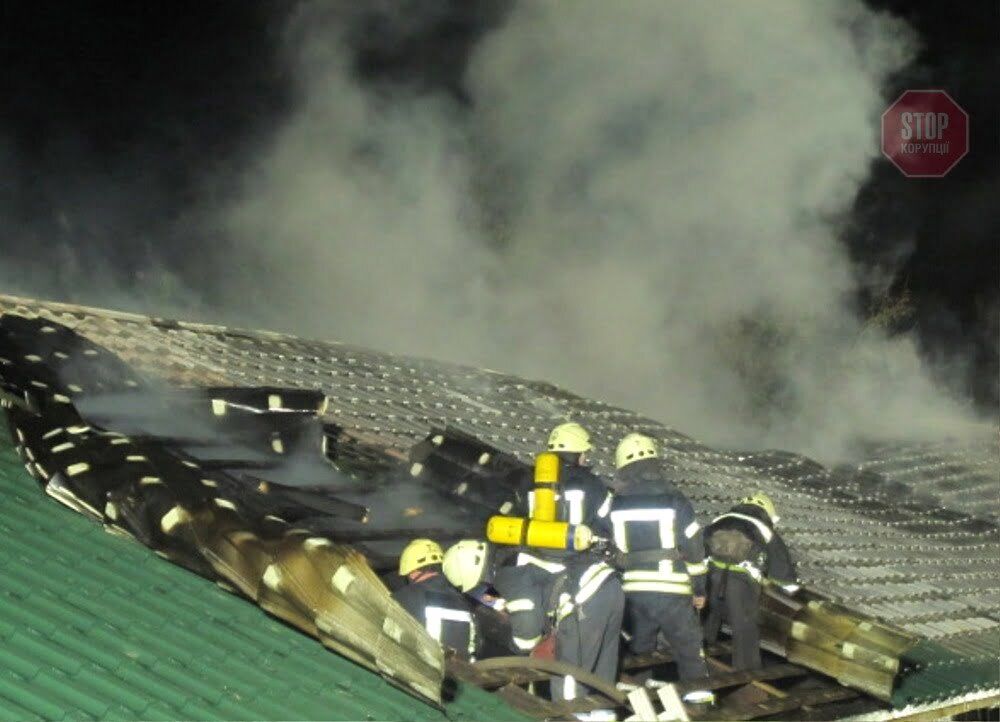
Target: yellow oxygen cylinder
(546, 478)
(510, 530)
(517, 531)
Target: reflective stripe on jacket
(651, 515)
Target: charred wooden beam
(736, 678)
(789, 703)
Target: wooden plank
(503, 682)
(494, 678)
(523, 701)
(490, 679)
(736, 678)
(746, 696)
(770, 689)
(584, 704)
(642, 704)
(788, 703)
(521, 677)
(546, 709)
(860, 705)
(555, 668)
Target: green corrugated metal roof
(937, 673)
(93, 626)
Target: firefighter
(745, 553)
(429, 598)
(569, 610)
(661, 553)
(577, 596)
(583, 497)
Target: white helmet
(635, 447)
(465, 563)
(569, 437)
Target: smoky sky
(171, 159)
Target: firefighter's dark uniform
(745, 550)
(582, 498)
(445, 612)
(662, 556)
(577, 594)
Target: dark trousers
(589, 638)
(650, 613)
(735, 597)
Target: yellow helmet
(635, 447)
(569, 437)
(465, 563)
(762, 500)
(419, 553)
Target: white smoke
(640, 202)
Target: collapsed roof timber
(201, 443)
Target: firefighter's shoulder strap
(553, 600)
(565, 583)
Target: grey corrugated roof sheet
(961, 475)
